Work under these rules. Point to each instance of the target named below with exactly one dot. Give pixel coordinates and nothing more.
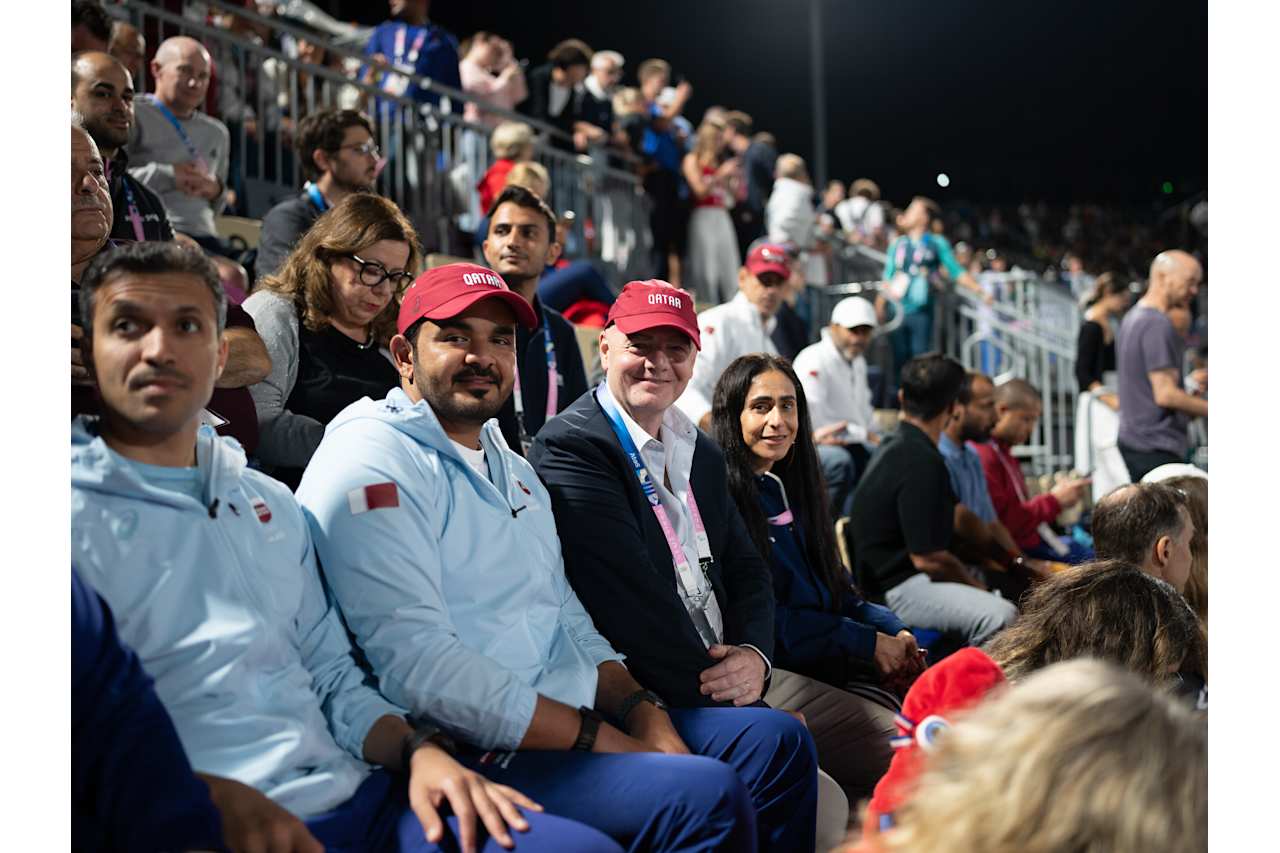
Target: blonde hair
(1080, 758)
(706, 144)
(531, 176)
(349, 227)
(792, 166)
(510, 138)
(627, 100)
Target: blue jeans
(913, 337)
(952, 608)
(579, 280)
(842, 465)
(378, 818)
(751, 784)
(1076, 553)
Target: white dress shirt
(836, 389)
(728, 331)
(670, 459)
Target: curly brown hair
(1110, 610)
(349, 227)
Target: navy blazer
(619, 564)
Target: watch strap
(629, 704)
(591, 720)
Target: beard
(106, 136)
(461, 406)
(974, 433)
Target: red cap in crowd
(769, 257)
(447, 291)
(652, 303)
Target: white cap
(854, 311)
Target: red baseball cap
(652, 303)
(449, 290)
(769, 257)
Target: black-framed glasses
(366, 147)
(373, 274)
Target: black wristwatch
(415, 739)
(629, 704)
(591, 720)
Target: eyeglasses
(373, 274)
(368, 148)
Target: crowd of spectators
(428, 587)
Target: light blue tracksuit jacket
(457, 594)
(222, 601)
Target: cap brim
(770, 266)
(652, 320)
(453, 307)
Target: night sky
(1031, 100)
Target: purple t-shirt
(1147, 341)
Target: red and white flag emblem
(261, 508)
(377, 496)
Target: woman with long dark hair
(831, 646)
(1096, 345)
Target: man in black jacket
(656, 550)
(520, 245)
(338, 157)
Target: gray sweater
(285, 439)
(155, 146)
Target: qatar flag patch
(261, 508)
(377, 496)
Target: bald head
(90, 199)
(102, 95)
(1017, 394)
(129, 46)
(1174, 279)
(181, 70)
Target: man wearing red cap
(655, 548)
(440, 546)
(742, 325)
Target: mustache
(152, 374)
(87, 202)
(476, 373)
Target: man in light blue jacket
(210, 570)
(439, 545)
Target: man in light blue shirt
(976, 522)
(441, 549)
(210, 570)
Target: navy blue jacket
(132, 788)
(531, 358)
(618, 562)
(813, 638)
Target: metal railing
(433, 158)
(1028, 331)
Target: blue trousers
(579, 280)
(1076, 553)
(378, 819)
(751, 784)
(912, 338)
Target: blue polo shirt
(967, 479)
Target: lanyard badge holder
(553, 389)
(697, 596)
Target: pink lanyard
(553, 387)
(135, 218)
(688, 579)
